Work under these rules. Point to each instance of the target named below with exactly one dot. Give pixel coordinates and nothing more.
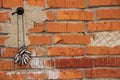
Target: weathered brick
(100, 50)
(6, 65)
(100, 73)
(72, 39)
(71, 74)
(103, 2)
(64, 74)
(107, 61)
(39, 39)
(0, 29)
(27, 66)
(8, 52)
(108, 14)
(66, 27)
(66, 3)
(74, 63)
(74, 15)
(36, 3)
(50, 15)
(2, 40)
(0, 3)
(49, 63)
(12, 76)
(12, 4)
(36, 51)
(65, 51)
(38, 27)
(35, 75)
(4, 16)
(104, 26)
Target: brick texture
(74, 15)
(106, 73)
(107, 61)
(8, 52)
(12, 76)
(35, 75)
(4, 65)
(66, 3)
(72, 39)
(38, 27)
(2, 40)
(36, 3)
(103, 26)
(65, 51)
(108, 14)
(66, 27)
(12, 4)
(71, 74)
(50, 15)
(65, 74)
(39, 39)
(79, 39)
(4, 16)
(100, 50)
(103, 2)
(74, 63)
(37, 51)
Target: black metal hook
(19, 11)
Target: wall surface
(69, 39)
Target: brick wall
(68, 45)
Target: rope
(23, 28)
(18, 31)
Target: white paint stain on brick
(109, 39)
(53, 74)
(37, 63)
(32, 14)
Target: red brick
(2, 40)
(50, 15)
(35, 76)
(39, 39)
(108, 14)
(72, 39)
(12, 76)
(74, 63)
(64, 74)
(74, 15)
(38, 27)
(0, 3)
(49, 64)
(107, 61)
(66, 27)
(100, 50)
(103, 2)
(8, 52)
(103, 26)
(27, 66)
(71, 74)
(65, 51)
(12, 4)
(36, 3)
(4, 16)
(0, 29)
(6, 65)
(100, 73)
(66, 3)
(36, 51)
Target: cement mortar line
(86, 8)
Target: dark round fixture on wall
(19, 11)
